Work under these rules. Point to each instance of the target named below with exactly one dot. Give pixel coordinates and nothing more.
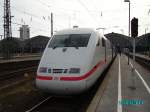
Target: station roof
(119, 39)
(37, 41)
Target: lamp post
(1, 37)
(129, 15)
(51, 24)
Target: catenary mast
(7, 19)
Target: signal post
(134, 33)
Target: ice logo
(131, 102)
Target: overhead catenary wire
(88, 11)
(39, 29)
(29, 14)
(63, 12)
(32, 16)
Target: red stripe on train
(44, 77)
(74, 78)
(85, 75)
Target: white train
(72, 61)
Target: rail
(14, 73)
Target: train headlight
(74, 70)
(42, 70)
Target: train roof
(76, 31)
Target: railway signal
(134, 27)
(134, 33)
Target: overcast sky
(109, 14)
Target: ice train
(73, 60)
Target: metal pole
(133, 52)
(128, 55)
(133, 69)
(1, 37)
(128, 58)
(129, 22)
(129, 18)
(51, 24)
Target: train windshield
(71, 40)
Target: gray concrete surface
(135, 96)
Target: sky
(109, 14)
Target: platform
(143, 56)
(20, 59)
(124, 89)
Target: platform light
(129, 14)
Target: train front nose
(57, 86)
(60, 80)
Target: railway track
(144, 62)
(62, 104)
(141, 60)
(46, 103)
(16, 77)
(77, 103)
(39, 104)
(14, 73)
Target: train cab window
(72, 40)
(103, 42)
(98, 42)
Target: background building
(24, 32)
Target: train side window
(103, 42)
(98, 42)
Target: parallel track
(39, 104)
(62, 104)
(15, 73)
(143, 61)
